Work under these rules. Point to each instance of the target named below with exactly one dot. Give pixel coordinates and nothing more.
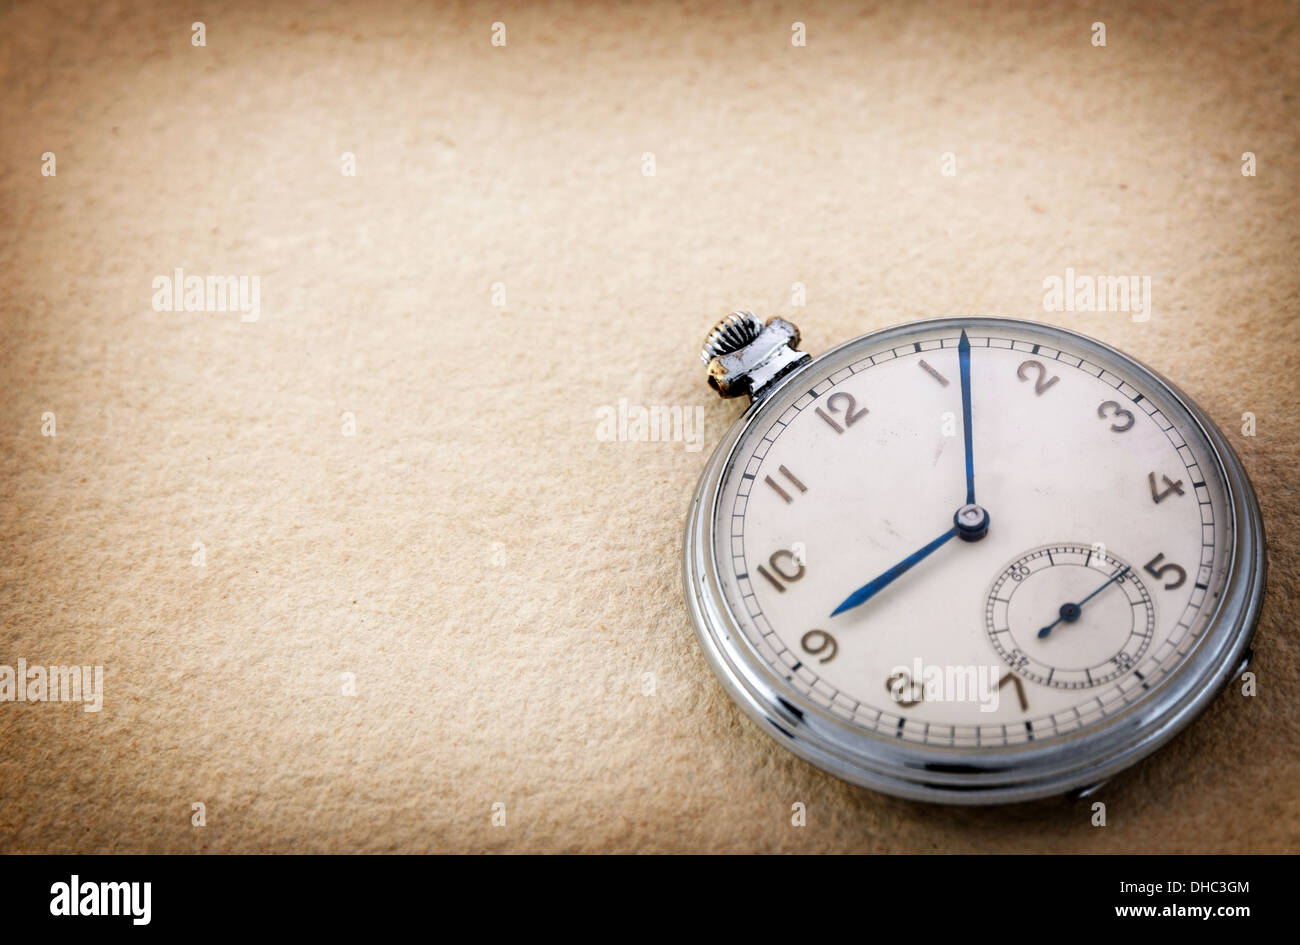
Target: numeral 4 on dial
(1158, 496)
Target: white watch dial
(1106, 545)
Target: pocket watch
(967, 560)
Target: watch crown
(731, 334)
(746, 356)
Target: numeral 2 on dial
(1041, 383)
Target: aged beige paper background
(497, 579)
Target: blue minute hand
(869, 590)
(963, 358)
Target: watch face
(1038, 591)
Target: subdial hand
(1070, 612)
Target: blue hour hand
(970, 522)
(869, 590)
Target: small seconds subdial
(1071, 616)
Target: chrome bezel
(981, 775)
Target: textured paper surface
(497, 579)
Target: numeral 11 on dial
(794, 481)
